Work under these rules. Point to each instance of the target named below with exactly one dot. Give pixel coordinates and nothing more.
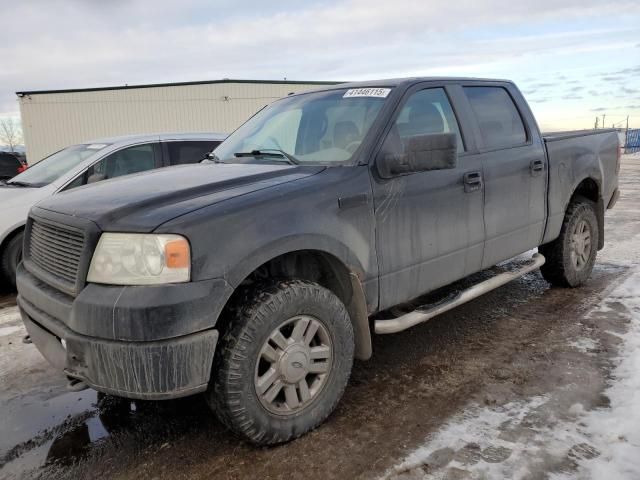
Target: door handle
(536, 167)
(472, 181)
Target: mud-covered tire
(9, 260)
(560, 268)
(233, 392)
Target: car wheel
(284, 362)
(570, 258)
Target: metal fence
(632, 142)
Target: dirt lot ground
(503, 387)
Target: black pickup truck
(258, 277)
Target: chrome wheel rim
(293, 365)
(580, 245)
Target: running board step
(76, 385)
(427, 312)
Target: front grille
(56, 249)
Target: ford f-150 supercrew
(258, 278)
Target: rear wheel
(11, 256)
(283, 363)
(570, 258)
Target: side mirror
(437, 151)
(96, 177)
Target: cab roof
(404, 82)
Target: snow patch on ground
(473, 443)
(518, 439)
(4, 331)
(615, 431)
(10, 321)
(584, 345)
(9, 315)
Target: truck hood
(142, 202)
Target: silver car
(83, 164)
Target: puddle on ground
(62, 430)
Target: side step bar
(422, 314)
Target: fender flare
(294, 243)
(357, 302)
(599, 203)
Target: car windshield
(54, 166)
(314, 128)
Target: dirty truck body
(255, 278)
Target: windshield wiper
(269, 152)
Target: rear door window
(184, 152)
(138, 158)
(500, 122)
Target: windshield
(314, 128)
(54, 166)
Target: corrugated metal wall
(632, 141)
(52, 121)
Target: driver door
(429, 225)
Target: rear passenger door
(514, 166)
(184, 152)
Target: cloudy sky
(573, 59)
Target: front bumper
(132, 348)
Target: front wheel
(283, 363)
(11, 256)
(570, 258)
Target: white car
(84, 164)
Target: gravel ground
(527, 381)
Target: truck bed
(576, 155)
(566, 134)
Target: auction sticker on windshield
(367, 92)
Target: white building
(53, 119)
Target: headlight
(140, 259)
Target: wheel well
(589, 189)
(316, 266)
(310, 265)
(9, 237)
